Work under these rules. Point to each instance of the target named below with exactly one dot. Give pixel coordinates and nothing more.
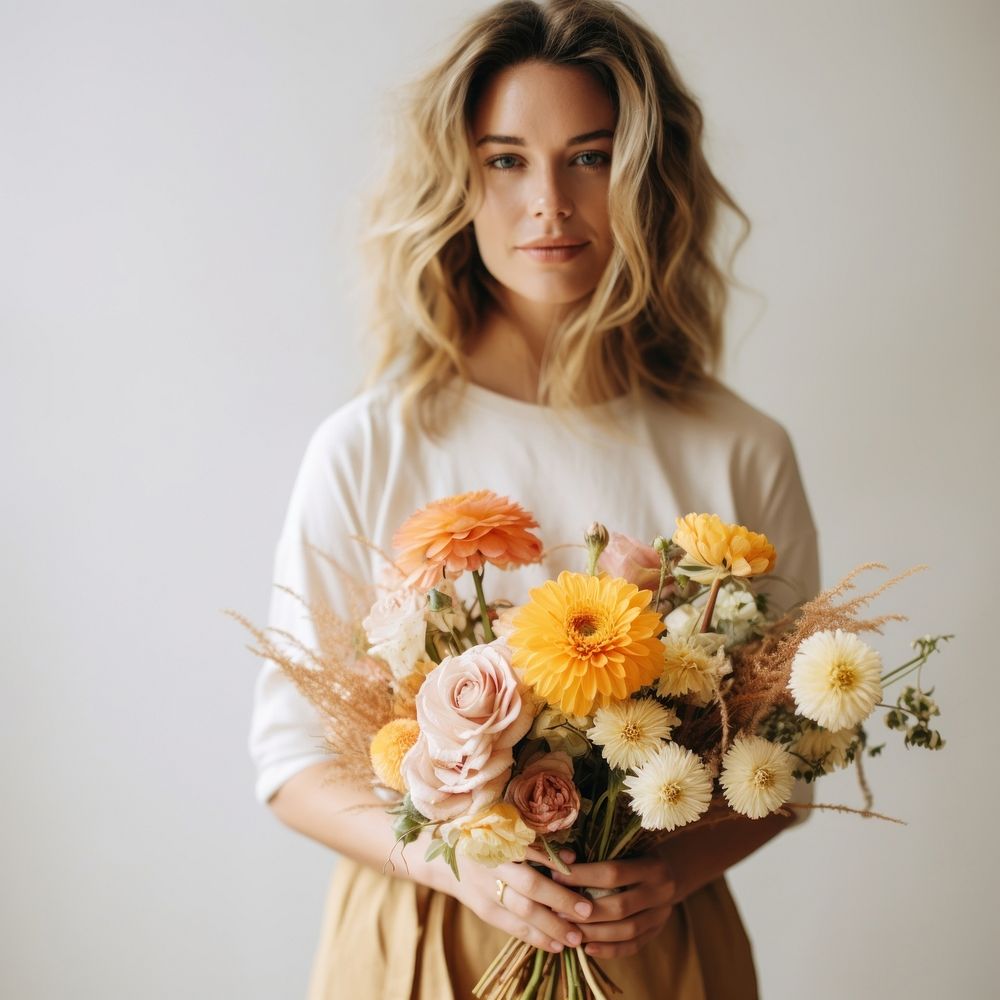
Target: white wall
(178, 186)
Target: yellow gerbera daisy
(585, 640)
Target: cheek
(496, 221)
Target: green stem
(663, 577)
(477, 576)
(626, 838)
(557, 862)
(915, 662)
(531, 990)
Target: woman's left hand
(622, 922)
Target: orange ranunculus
(717, 549)
(460, 533)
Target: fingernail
(568, 856)
(583, 908)
(557, 946)
(574, 938)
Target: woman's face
(542, 137)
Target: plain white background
(179, 186)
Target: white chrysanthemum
(692, 667)
(835, 679)
(756, 776)
(671, 789)
(629, 732)
(822, 748)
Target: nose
(551, 200)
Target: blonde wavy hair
(654, 320)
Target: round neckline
(510, 404)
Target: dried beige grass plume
(351, 690)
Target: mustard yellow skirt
(384, 938)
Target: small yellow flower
(582, 641)
(717, 550)
(388, 749)
(492, 836)
(692, 667)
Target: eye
(602, 159)
(496, 163)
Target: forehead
(542, 102)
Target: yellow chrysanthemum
(388, 749)
(692, 667)
(716, 549)
(582, 641)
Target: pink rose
(545, 795)
(471, 712)
(471, 705)
(444, 791)
(631, 560)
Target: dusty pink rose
(472, 705)
(545, 795)
(631, 560)
(443, 791)
(471, 710)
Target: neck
(508, 350)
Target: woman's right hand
(531, 901)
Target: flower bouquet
(650, 692)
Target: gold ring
(501, 885)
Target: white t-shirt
(364, 472)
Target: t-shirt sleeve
(286, 731)
(776, 504)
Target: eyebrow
(514, 140)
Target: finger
(606, 874)
(620, 950)
(620, 905)
(557, 931)
(541, 889)
(540, 857)
(629, 928)
(512, 924)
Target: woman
(548, 296)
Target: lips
(553, 253)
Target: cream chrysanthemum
(628, 732)
(692, 667)
(822, 748)
(671, 789)
(836, 679)
(756, 776)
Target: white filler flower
(756, 776)
(836, 679)
(630, 732)
(671, 789)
